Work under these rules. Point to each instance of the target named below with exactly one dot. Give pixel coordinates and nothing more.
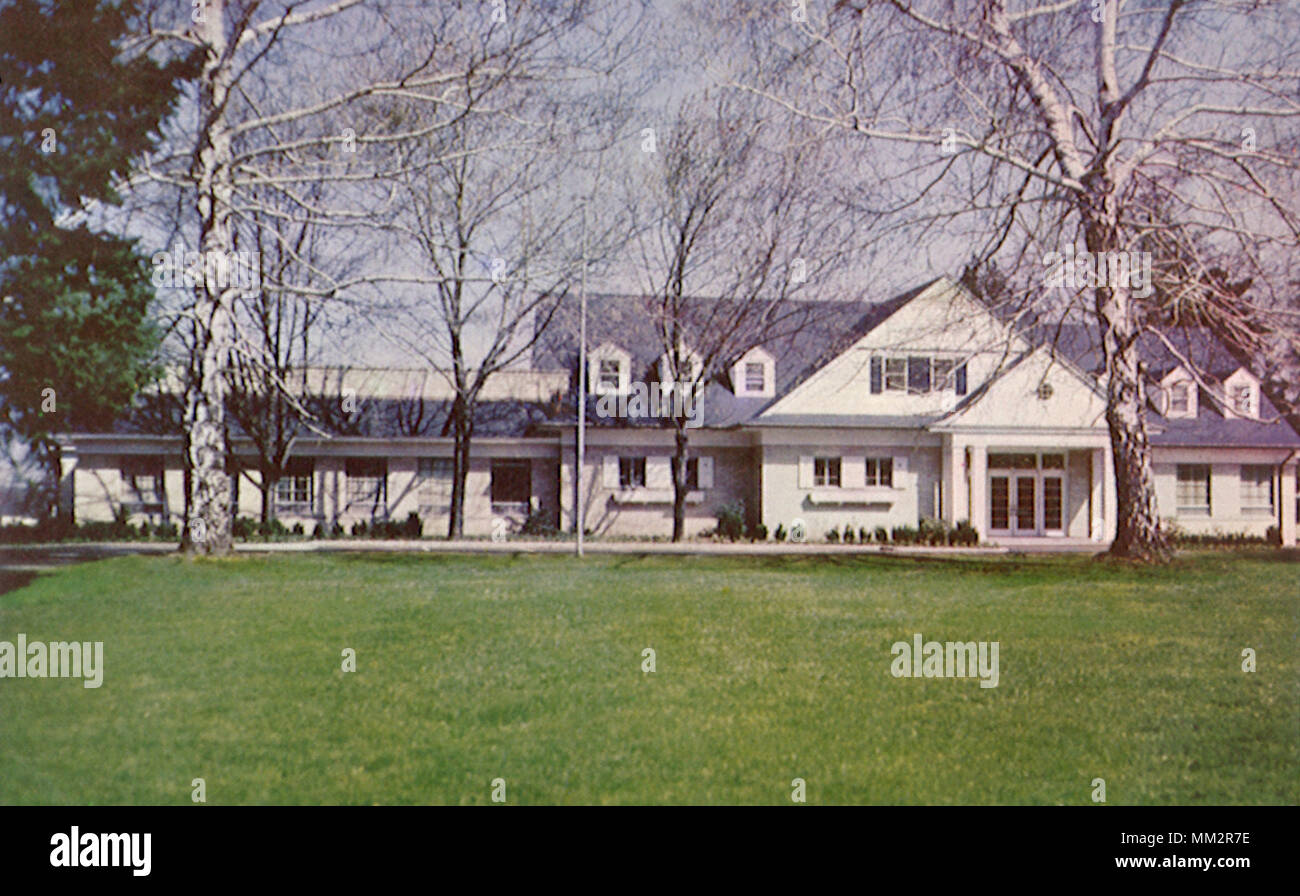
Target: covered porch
(1022, 488)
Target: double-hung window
(293, 490)
(880, 471)
(1257, 495)
(631, 472)
(144, 485)
(826, 472)
(1192, 491)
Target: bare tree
(276, 107)
(1100, 126)
(728, 233)
(273, 396)
(494, 212)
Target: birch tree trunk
(1137, 535)
(208, 520)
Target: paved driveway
(20, 564)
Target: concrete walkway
(20, 564)
(37, 557)
(699, 548)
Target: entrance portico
(1013, 486)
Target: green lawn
(528, 668)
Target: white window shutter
(706, 472)
(853, 471)
(806, 471)
(609, 471)
(900, 467)
(658, 472)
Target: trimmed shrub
(414, 526)
(904, 535)
(933, 532)
(388, 529)
(731, 521)
(833, 536)
(964, 534)
(849, 537)
(882, 535)
(538, 523)
(273, 528)
(864, 535)
(1219, 539)
(780, 532)
(243, 527)
(759, 533)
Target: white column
(1287, 496)
(568, 512)
(68, 482)
(1096, 525)
(979, 484)
(956, 502)
(1110, 517)
(174, 495)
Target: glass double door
(1028, 503)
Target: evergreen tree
(76, 341)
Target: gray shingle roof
(826, 330)
(1082, 345)
(373, 418)
(814, 334)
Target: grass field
(767, 669)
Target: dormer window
(1241, 399)
(1240, 395)
(1179, 398)
(609, 375)
(608, 370)
(754, 374)
(1177, 395)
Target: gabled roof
(871, 317)
(1082, 344)
(962, 326)
(823, 328)
(1076, 399)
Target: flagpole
(582, 382)
(582, 361)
